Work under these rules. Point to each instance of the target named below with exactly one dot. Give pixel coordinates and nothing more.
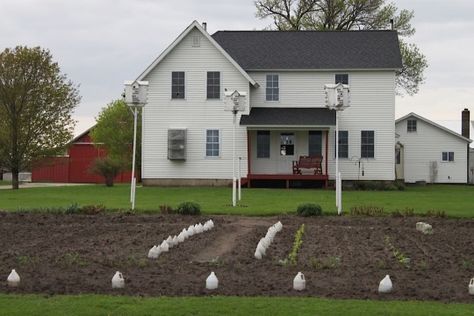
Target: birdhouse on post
(337, 96)
(136, 93)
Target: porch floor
(287, 177)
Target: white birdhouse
(136, 93)
(337, 96)
(235, 101)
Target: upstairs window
(273, 90)
(411, 126)
(341, 78)
(448, 156)
(177, 85)
(263, 144)
(213, 85)
(367, 144)
(212, 143)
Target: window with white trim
(263, 144)
(343, 144)
(273, 88)
(447, 156)
(411, 126)
(367, 144)
(177, 85)
(341, 78)
(213, 85)
(212, 143)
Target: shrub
(108, 168)
(379, 185)
(309, 209)
(189, 208)
(406, 212)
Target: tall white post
(133, 180)
(234, 202)
(337, 160)
(239, 179)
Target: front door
(287, 152)
(399, 157)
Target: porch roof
(289, 117)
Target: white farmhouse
(286, 133)
(429, 152)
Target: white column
(133, 181)
(337, 160)
(234, 202)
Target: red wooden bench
(308, 162)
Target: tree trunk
(15, 182)
(109, 181)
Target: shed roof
(318, 50)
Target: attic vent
(177, 144)
(196, 41)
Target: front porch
(288, 144)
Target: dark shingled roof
(289, 117)
(338, 50)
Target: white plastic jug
(212, 282)
(181, 237)
(262, 249)
(175, 240)
(471, 286)
(185, 233)
(385, 285)
(258, 254)
(164, 246)
(211, 224)
(169, 241)
(191, 231)
(299, 282)
(279, 226)
(13, 279)
(118, 282)
(154, 252)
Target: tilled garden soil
(341, 257)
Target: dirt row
(341, 257)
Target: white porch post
(337, 162)
(234, 202)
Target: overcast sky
(101, 43)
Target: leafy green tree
(36, 105)
(114, 131)
(352, 15)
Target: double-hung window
(343, 144)
(411, 126)
(273, 88)
(367, 144)
(213, 85)
(177, 85)
(448, 156)
(341, 78)
(212, 143)
(263, 144)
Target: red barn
(74, 167)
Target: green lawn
(218, 305)
(455, 200)
(5, 182)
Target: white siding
(372, 108)
(195, 113)
(426, 145)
